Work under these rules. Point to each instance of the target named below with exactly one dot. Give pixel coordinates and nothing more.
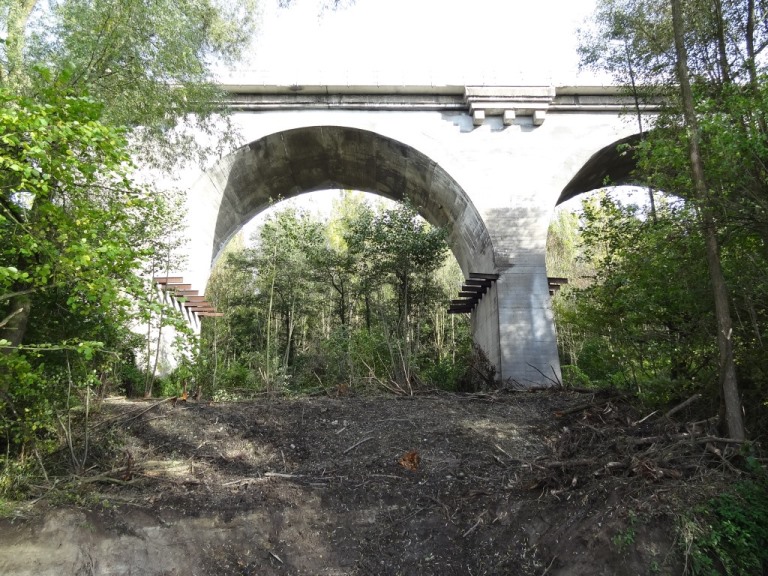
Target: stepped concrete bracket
(509, 102)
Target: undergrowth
(729, 534)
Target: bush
(27, 408)
(574, 377)
(730, 534)
(444, 374)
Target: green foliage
(454, 371)
(76, 232)
(730, 534)
(573, 376)
(78, 237)
(624, 539)
(15, 476)
(645, 321)
(27, 407)
(148, 62)
(357, 301)
(722, 138)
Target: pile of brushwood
(623, 442)
(668, 464)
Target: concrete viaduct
(489, 163)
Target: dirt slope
(322, 486)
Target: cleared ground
(542, 483)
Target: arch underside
(286, 164)
(613, 165)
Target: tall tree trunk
(367, 311)
(639, 116)
(729, 389)
(14, 324)
(18, 17)
(722, 50)
(750, 45)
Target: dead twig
(474, 526)
(356, 444)
(556, 381)
(644, 419)
(500, 449)
(133, 415)
(445, 508)
(682, 405)
(546, 570)
(683, 436)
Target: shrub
(730, 534)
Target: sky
(418, 42)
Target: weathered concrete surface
(487, 163)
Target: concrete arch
(615, 164)
(291, 162)
(487, 163)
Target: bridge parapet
(478, 101)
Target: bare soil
(542, 483)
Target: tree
(645, 320)
(362, 296)
(73, 239)
(69, 215)
(704, 59)
(396, 247)
(728, 382)
(150, 63)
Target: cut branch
(682, 405)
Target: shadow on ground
(315, 486)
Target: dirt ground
(501, 483)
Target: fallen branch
(155, 405)
(106, 478)
(682, 405)
(475, 525)
(357, 444)
(580, 407)
(132, 415)
(10, 316)
(681, 437)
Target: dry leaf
(410, 460)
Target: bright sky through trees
(418, 42)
